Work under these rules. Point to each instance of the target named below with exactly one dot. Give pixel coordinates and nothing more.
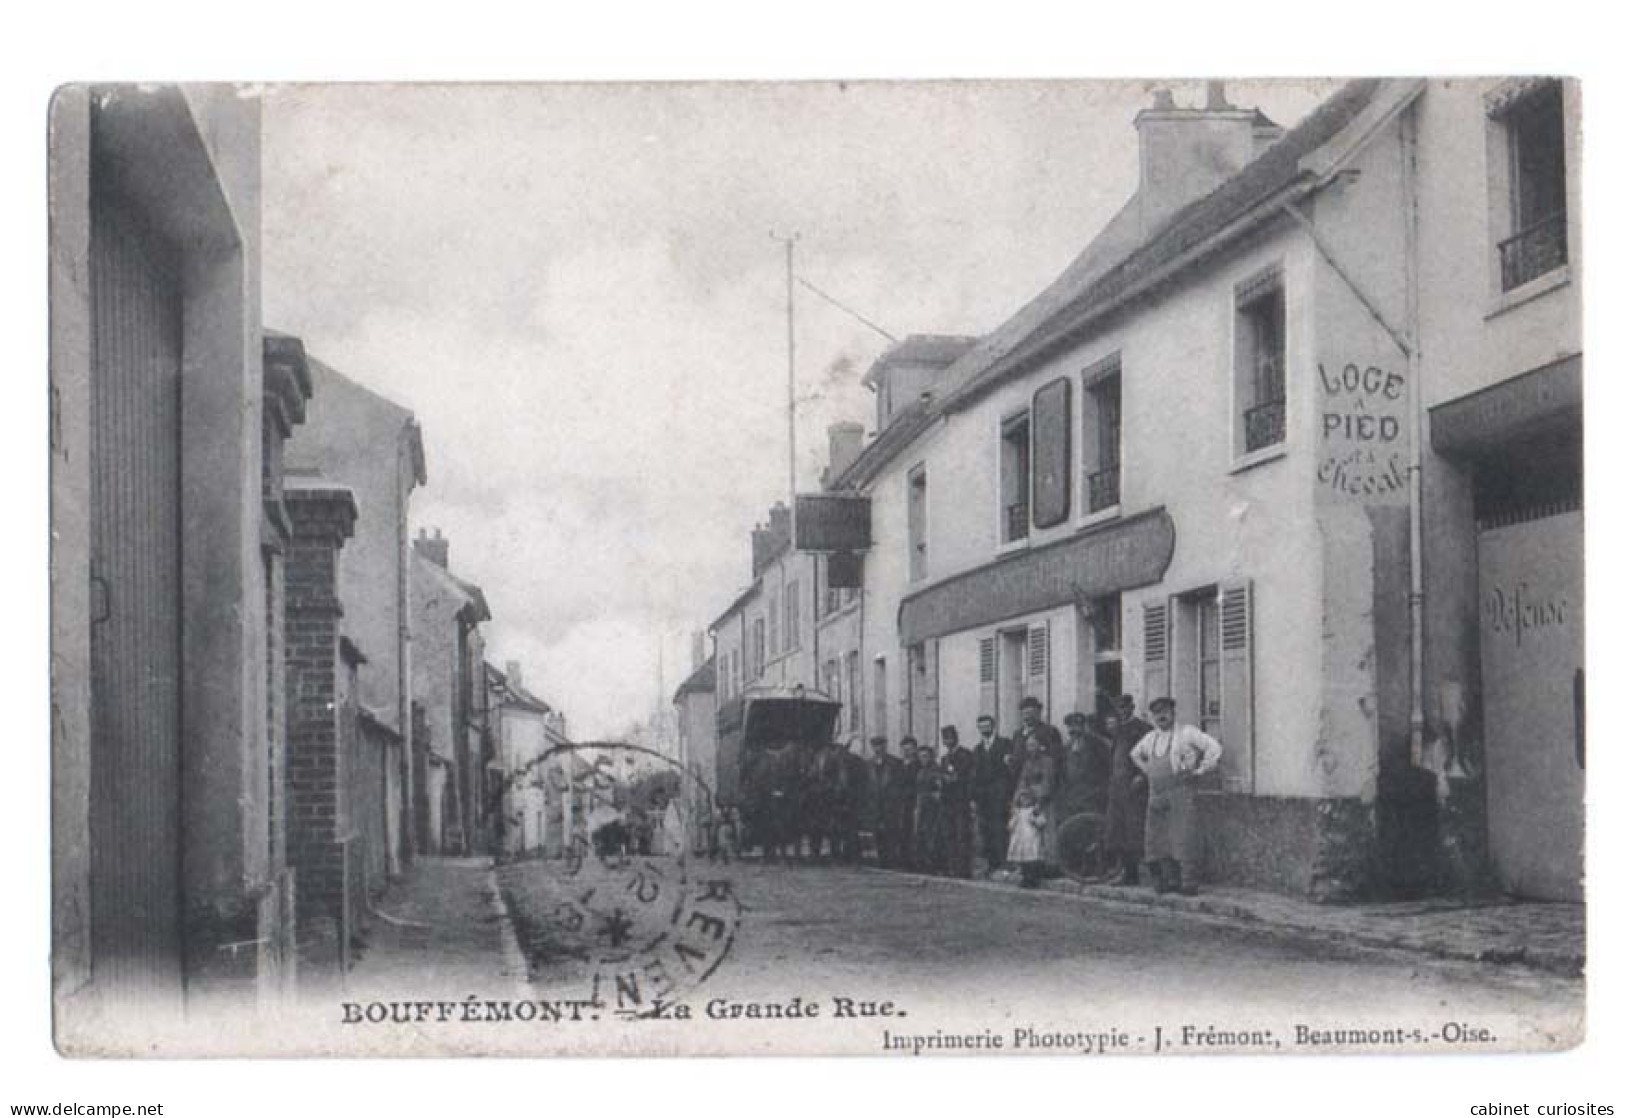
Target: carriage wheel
(1080, 848)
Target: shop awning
(1105, 560)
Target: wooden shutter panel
(1236, 684)
(988, 659)
(1155, 677)
(1038, 662)
(1052, 453)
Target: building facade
(169, 888)
(529, 736)
(448, 685)
(696, 704)
(1266, 447)
(374, 448)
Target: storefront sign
(1486, 419)
(832, 522)
(1107, 560)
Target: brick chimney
(436, 549)
(317, 676)
(766, 540)
(845, 444)
(1186, 152)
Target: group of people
(1113, 794)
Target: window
(1198, 648)
(1052, 453)
(758, 652)
(1107, 615)
(917, 565)
(792, 616)
(775, 606)
(1537, 185)
(1261, 361)
(1015, 472)
(1103, 436)
(1209, 699)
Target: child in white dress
(1027, 839)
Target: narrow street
(914, 958)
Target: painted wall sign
(1362, 439)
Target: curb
(1564, 963)
(514, 961)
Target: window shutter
(1155, 677)
(1236, 684)
(1038, 662)
(1052, 453)
(988, 658)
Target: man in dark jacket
(1126, 795)
(908, 787)
(959, 768)
(886, 786)
(995, 783)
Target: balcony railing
(1015, 521)
(1265, 424)
(1532, 252)
(1104, 488)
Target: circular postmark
(627, 893)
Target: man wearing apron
(1173, 757)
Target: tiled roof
(1078, 290)
(703, 679)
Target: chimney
(697, 650)
(1186, 152)
(512, 670)
(845, 444)
(766, 540)
(436, 549)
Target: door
(135, 660)
(1532, 637)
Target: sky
(577, 290)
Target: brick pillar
(322, 519)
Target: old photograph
(881, 568)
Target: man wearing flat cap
(1173, 758)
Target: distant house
(527, 766)
(448, 679)
(696, 703)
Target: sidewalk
(1545, 936)
(440, 930)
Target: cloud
(575, 290)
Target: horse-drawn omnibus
(765, 742)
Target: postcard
(894, 569)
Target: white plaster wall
(1471, 338)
